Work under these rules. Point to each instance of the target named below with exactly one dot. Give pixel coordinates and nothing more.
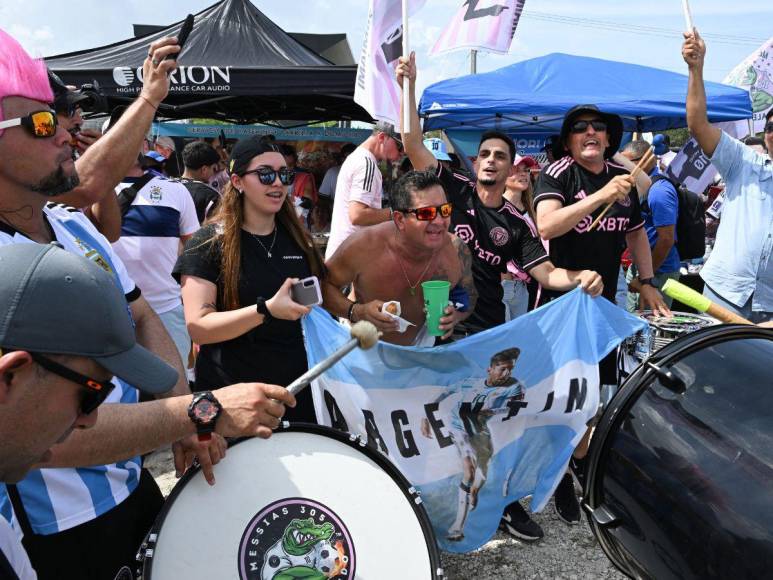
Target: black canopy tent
(237, 66)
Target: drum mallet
(693, 299)
(364, 335)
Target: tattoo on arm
(467, 282)
(209, 306)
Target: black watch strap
(205, 419)
(648, 281)
(262, 308)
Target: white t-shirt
(14, 552)
(150, 238)
(329, 182)
(359, 180)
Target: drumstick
(693, 299)
(646, 158)
(364, 335)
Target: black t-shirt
(578, 249)
(204, 197)
(495, 236)
(270, 353)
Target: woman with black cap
(236, 274)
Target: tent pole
(473, 62)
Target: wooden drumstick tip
(366, 334)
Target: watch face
(205, 411)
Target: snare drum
(663, 330)
(680, 466)
(309, 502)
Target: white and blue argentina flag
(482, 422)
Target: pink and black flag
(377, 90)
(481, 25)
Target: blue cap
(156, 156)
(438, 149)
(659, 144)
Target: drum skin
(680, 484)
(307, 482)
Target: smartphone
(307, 292)
(183, 36)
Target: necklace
(413, 287)
(273, 241)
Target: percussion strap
(18, 508)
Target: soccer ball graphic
(328, 560)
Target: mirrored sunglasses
(430, 212)
(41, 124)
(267, 176)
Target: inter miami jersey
(579, 249)
(479, 402)
(495, 236)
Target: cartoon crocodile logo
(304, 552)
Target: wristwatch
(262, 308)
(647, 281)
(204, 411)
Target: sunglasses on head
(429, 213)
(41, 124)
(94, 392)
(769, 127)
(267, 176)
(582, 126)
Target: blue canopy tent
(532, 96)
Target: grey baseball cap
(52, 301)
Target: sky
(643, 32)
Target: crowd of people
(170, 300)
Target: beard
(57, 183)
(487, 182)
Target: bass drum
(309, 502)
(680, 467)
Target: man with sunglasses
(44, 397)
(358, 191)
(739, 272)
(388, 262)
(69, 508)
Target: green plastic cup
(435, 302)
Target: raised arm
(694, 53)
(421, 158)
(106, 162)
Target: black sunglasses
(267, 176)
(769, 127)
(399, 144)
(582, 126)
(429, 213)
(95, 392)
(41, 124)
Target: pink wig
(21, 75)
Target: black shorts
(96, 550)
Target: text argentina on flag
(482, 422)
(376, 89)
(487, 25)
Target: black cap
(56, 302)
(614, 129)
(246, 150)
(64, 98)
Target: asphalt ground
(566, 552)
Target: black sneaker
(567, 506)
(516, 522)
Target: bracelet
(647, 281)
(147, 100)
(351, 311)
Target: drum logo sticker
(296, 538)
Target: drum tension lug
(602, 516)
(668, 379)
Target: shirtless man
(389, 261)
